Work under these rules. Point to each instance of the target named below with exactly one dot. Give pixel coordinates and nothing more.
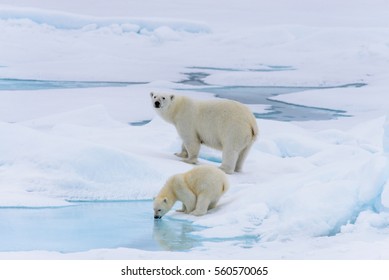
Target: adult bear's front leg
(191, 143)
(193, 150)
(183, 153)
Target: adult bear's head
(161, 101)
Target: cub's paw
(197, 213)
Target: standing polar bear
(199, 190)
(220, 124)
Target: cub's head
(161, 101)
(161, 207)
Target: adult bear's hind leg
(242, 157)
(229, 159)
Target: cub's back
(206, 178)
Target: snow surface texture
(308, 190)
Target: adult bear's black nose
(157, 104)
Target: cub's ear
(171, 97)
(152, 94)
(165, 200)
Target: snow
(61, 20)
(309, 190)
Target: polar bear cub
(199, 190)
(220, 124)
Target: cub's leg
(183, 208)
(201, 205)
(187, 198)
(212, 204)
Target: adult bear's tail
(254, 129)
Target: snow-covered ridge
(63, 20)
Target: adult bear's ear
(171, 97)
(152, 94)
(165, 200)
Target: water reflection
(173, 235)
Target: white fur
(220, 124)
(199, 190)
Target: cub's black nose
(157, 217)
(157, 104)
